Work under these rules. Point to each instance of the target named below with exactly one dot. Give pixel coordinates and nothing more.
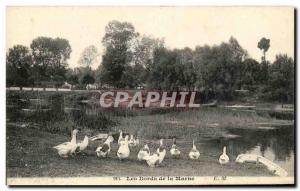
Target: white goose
(67, 148)
(120, 136)
(104, 150)
(82, 145)
(161, 151)
(123, 151)
(131, 141)
(276, 169)
(153, 160)
(137, 141)
(174, 150)
(194, 153)
(224, 159)
(143, 153)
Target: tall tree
(218, 68)
(81, 72)
(142, 57)
(88, 56)
(281, 79)
(143, 49)
(118, 54)
(88, 79)
(185, 58)
(19, 63)
(264, 45)
(166, 72)
(71, 77)
(50, 59)
(250, 74)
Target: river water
(275, 144)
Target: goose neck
(73, 140)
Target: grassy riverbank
(196, 124)
(30, 154)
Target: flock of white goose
(125, 143)
(156, 158)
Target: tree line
(133, 60)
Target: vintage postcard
(150, 95)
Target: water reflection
(276, 144)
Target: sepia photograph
(179, 95)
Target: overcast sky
(179, 26)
